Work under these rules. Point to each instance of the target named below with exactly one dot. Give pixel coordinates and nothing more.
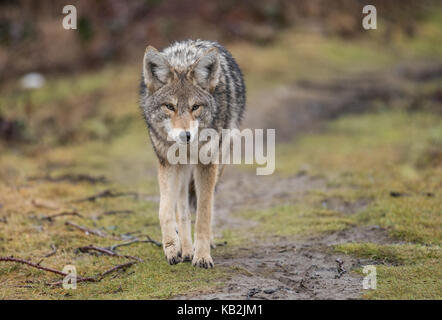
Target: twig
(148, 240)
(29, 263)
(112, 212)
(25, 286)
(107, 194)
(54, 251)
(74, 178)
(99, 277)
(90, 231)
(61, 214)
(57, 283)
(64, 274)
(107, 251)
(37, 266)
(120, 266)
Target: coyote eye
(195, 107)
(170, 107)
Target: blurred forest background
(32, 37)
(358, 122)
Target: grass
(304, 219)
(90, 124)
(372, 155)
(296, 55)
(28, 236)
(410, 272)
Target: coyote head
(180, 101)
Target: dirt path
(282, 267)
(288, 270)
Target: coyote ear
(206, 71)
(156, 69)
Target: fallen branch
(120, 266)
(112, 212)
(64, 274)
(107, 251)
(99, 277)
(29, 263)
(88, 231)
(61, 214)
(107, 194)
(37, 266)
(148, 240)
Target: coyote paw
(187, 250)
(173, 252)
(203, 262)
(187, 257)
(187, 254)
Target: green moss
(297, 220)
(416, 272)
(408, 282)
(414, 218)
(370, 156)
(408, 253)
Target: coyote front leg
(205, 181)
(183, 215)
(169, 181)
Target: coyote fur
(189, 86)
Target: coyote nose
(185, 136)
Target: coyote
(189, 86)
